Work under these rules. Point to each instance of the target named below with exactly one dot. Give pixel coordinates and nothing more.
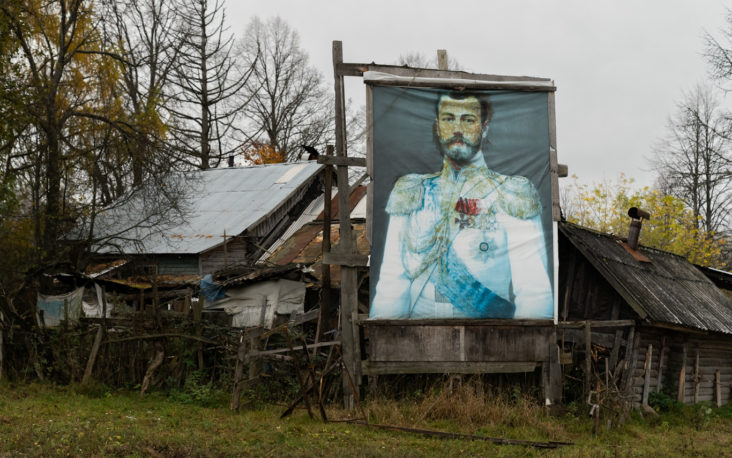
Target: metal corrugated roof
(306, 247)
(222, 201)
(314, 211)
(668, 289)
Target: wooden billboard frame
(345, 253)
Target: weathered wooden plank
(516, 324)
(717, 388)
(342, 160)
(659, 379)
(445, 367)
(296, 348)
(596, 323)
(476, 84)
(345, 259)
(647, 375)
(459, 343)
(588, 357)
(92, 356)
(682, 375)
(358, 69)
(697, 377)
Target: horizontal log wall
(715, 353)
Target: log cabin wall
(706, 360)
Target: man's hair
(486, 111)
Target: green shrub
(662, 402)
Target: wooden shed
(680, 337)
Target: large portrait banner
(462, 223)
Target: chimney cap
(637, 213)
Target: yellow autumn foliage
(672, 226)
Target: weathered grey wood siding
(177, 264)
(715, 353)
(236, 253)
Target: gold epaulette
(518, 197)
(407, 195)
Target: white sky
(619, 66)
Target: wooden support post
(682, 375)
(659, 380)
(197, 315)
(326, 312)
(93, 356)
(187, 302)
(697, 377)
(241, 355)
(349, 276)
(647, 374)
(718, 388)
(442, 59)
(588, 357)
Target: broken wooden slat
(154, 364)
(717, 388)
(682, 375)
(93, 356)
(647, 374)
(697, 377)
(284, 350)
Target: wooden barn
(232, 216)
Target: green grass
(44, 420)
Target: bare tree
(142, 34)
(693, 161)
(209, 82)
(289, 105)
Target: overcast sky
(619, 66)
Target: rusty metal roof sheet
(220, 201)
(306, 247)
(668, 289)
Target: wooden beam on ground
(445, 435)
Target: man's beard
(459, 149)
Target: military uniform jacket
(463, 243)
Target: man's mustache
(458, 139)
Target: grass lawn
(44, 420)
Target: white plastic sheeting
(258, 304)
(61, 307)
(92, 303)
